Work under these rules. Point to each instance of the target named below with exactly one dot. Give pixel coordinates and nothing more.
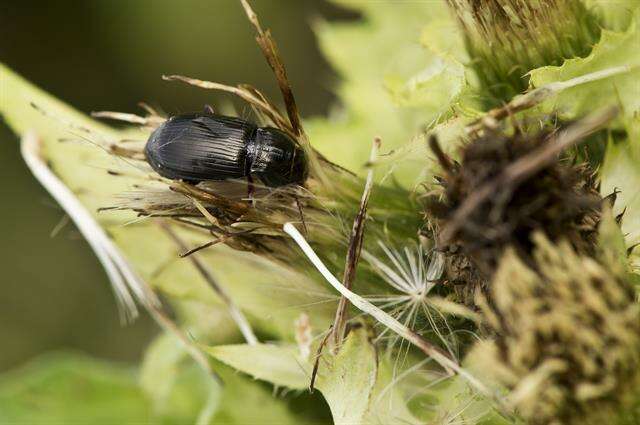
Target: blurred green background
(109, 55)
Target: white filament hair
(126, 284)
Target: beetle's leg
(304, 223)
(208, 110)
(251, 189)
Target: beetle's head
(277, 159)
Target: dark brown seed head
(560, 200)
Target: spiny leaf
(611, 239)
(614, 49)
(620, 172)
(388, 403)
(347, 384)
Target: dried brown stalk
(354, 250)
(316, 363)
(270, 51)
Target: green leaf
(457, 403)
(348, 383)
(455, 400)
(614, 50)
(388, 403)
(411, 78)
(356, 388)
(279, 364)
(178, 389)
(613, 14)
(412, 82)
(72, 388)
(245, 401)
(611, 239)
(181, 391)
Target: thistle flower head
(508, 38)
(566, 334)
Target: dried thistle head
(566, 334)
(508, 38)
(500, 193)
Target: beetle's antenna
(304, 223)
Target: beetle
(206, 146)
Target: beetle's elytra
(199, 147)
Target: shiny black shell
(199, 147)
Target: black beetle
(197, 147)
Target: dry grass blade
(120, 116)
(525, 167)
(234, 310)
(248, 96)
(354, 250)
(152, 120)
(270, 51)
(443, 158)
